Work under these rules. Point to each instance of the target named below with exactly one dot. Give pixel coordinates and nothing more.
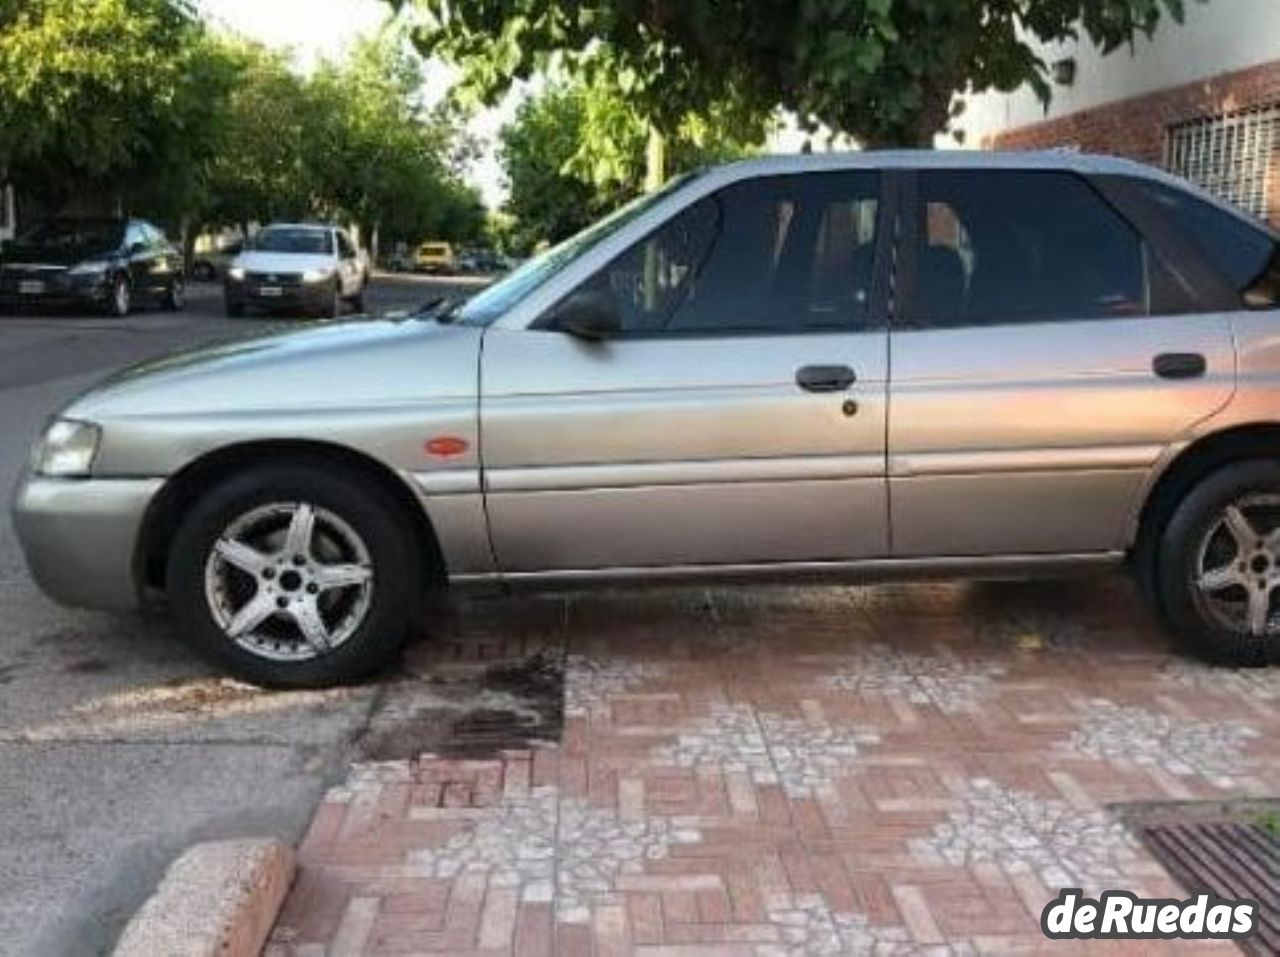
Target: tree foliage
(577, 150)
(128, 104)
(91, 89)
(883, 71)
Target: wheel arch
(1194, 463)
(185, 486)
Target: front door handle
(1179, 365)
(825, 378)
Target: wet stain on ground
(88, 666)
(505, 707)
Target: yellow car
(435, 258)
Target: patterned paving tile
(787, 771)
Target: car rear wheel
(295, 577)
(119, 299)
(1218, 565)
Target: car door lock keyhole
(849, 407)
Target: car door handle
(1179, 365)
(825, 378)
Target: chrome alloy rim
(289, 581)
(122, 296)
(1238, 567)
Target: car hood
(334, 365)
(259, 261)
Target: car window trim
(877, 308)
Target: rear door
(739, 417)
(1044, 358)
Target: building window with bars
(1231, 156)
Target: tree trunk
(655, 161)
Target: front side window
(996, 246)
(1243, 254)
(780, 254)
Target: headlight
(236, 273)
(93, 267)
(67, 448)
(317, 275)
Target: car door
(141, 257)
(737, 418)
(1044, 358)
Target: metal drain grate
(1232, 859)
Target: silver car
(845, 367)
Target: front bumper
(306, 296)
(80, 537)
(60, 290)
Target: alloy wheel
(1237, 569)
(289, 581)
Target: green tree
(94, 91)
(256, 172)
(884, 71)
(577, 150)
(376, 156)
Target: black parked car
(108, 264)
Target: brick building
(1202, 100)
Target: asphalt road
(117, 746)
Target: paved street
(118, 746)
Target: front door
(1038, 371)
(738, 418)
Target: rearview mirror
(592, 316)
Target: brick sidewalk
(896, 770)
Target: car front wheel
(119, 300)
(1218, 569)
(294, 577)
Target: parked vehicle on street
(844, 367)
(481, 262)
(436, 258)
(306, 267)
(212, 265)
(104, 264)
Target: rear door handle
(825, 378)
(1179, 365)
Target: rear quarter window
(1247, 256)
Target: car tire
(1216, 565)
(333, 308)
(353, 526)
(175, 300)
(119, 298)
(357, 301)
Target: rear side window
(774, 255)
(1245, 255)
(996, 246)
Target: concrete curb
(218, 899)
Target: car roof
(316, 226)
(1057, 159)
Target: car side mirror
(592, 316)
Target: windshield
(497, 299)
(290, 239)
(92, 234)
